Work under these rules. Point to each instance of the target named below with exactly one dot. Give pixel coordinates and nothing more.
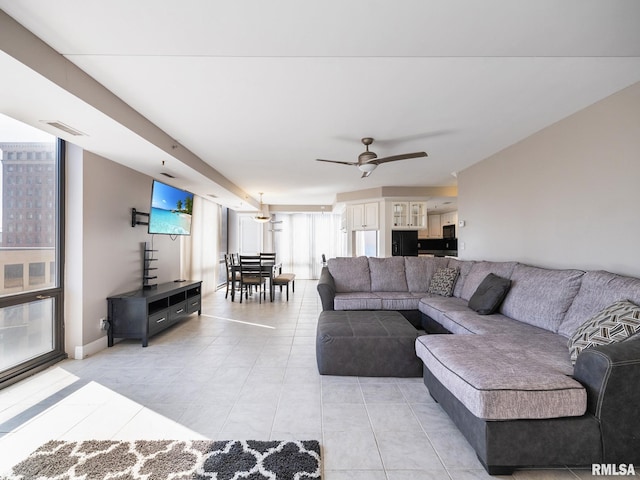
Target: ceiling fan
(368, 161)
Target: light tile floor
(244, 371)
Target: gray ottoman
(366, 343)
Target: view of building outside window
(28, 205)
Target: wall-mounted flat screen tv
(171, 210)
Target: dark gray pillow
(489, 294)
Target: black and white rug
(171, 459)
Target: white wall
(104, 253)
(565, 197)
(250, 234)
(73, 284)
(233, 229)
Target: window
(36, 273)
(31, 295)
(13, 275)
(303, 239)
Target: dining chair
(284, 279)
(233, 275)
(280, 279)
(251, 275)
(268, 260)
(268, 257)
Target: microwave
(449, 231)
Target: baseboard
(84, 351)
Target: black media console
(145, 312)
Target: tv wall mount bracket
(134, 217)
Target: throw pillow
(489, 294)
(443, 281)
(615, 323)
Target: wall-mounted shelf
(148, 275)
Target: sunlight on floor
(238, 321)
(70, 409)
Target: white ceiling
(259, 89)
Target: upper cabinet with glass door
(400, 212)
(409, 215)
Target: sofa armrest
(326, 289)
(611, 376)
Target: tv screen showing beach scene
(171, 210)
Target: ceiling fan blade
(336, 161)
(403, 156)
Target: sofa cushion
(357, 301)
(443, 281)
(615, 323)
(435, 307)
(541, 296)
(464, 267)
(489, 294)
(419, 271)
(387, 274)
(598, 290)
(506, 377)
(351, 274)
(467, 321)
(480, 270)
(398, 300)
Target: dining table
(268, 268)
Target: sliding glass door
(31, 326)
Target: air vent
(167, 174)
(65, 128)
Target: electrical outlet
(104, 325)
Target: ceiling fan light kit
(368, 161)
(367, 167)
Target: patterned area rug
(171, 459)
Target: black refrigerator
(404, 243)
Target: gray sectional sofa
(507, 379)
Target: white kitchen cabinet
(450, 218)
(435, 227)
(411, 215)
(436, 222)
(400, 214)
(364, 216)
(418, 214)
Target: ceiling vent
(65, 128)
(167, 174)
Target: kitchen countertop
(439, 253)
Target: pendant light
(261, 217)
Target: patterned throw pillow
(615, 323)
(443, 281)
